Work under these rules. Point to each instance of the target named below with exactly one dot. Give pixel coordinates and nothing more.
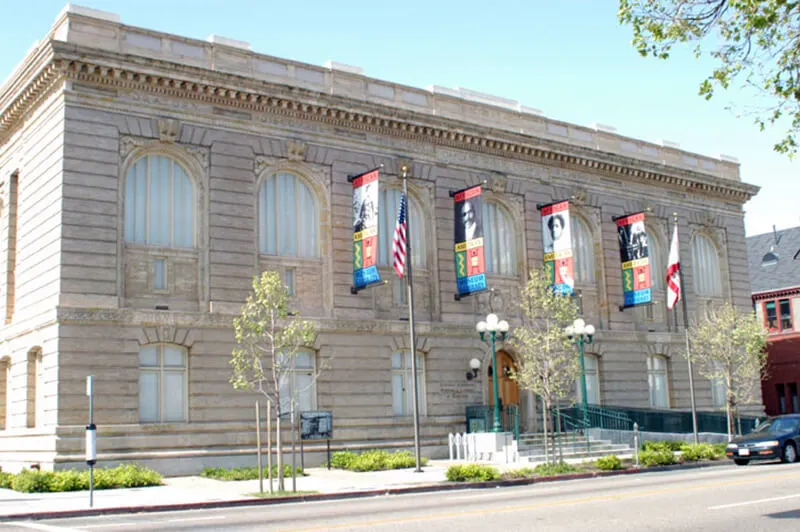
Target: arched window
(658, 271)
(288, 221)
(389, 206)
(159, 203)
(582, 250)
(162, 383)
(403, 385)
(705, 259)
(499, 240)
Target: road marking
(747, 503)
(567, 502)
(45, 528)
(152, 522)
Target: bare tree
(727, 345)
(268, 341)
(549, 365)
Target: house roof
(774, 260)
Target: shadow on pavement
(791, 514)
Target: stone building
(775, 281)
(147, 177)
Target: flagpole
(409, 260)
(688, 353)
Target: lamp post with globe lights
(582, 334)
(493, 326)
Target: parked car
(776, 438)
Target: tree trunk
(545, 424)
(279, 445)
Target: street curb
(424, 488)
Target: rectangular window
(400, 291)
(786, 314)
(403, 385)
(771, 315)
(162, 384)
(657, 381)
(780, 391)
(297, 383)
(289, 281)
(160, 274)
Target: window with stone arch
(288, 217)
(163, 383)
(582, 250)
(159, 203)
(500, 245)
(387, 219)
(707, 273)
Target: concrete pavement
(197, 492)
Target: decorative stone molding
(284, 102)
(168, 129)
(296, 150)
(200, 153)
(578, 196)
(497, 182)
(317, 175)
(166, 334)
(128, 144)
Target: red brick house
(774, 260)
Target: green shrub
(471, 473)
(123, 476)
(511, 474)
(247, 473)
(651, 458)
(701, 451)
(719, 449)
(374, 460)
(664, 445)
(548, 470)
(33, 481)
(6, 480)
(609, 463)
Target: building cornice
(781, 292)
(116, 71)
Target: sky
(571, 59)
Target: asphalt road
(756, 497)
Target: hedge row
(247, 473)
(374, 460)
(124, 476)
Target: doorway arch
(507, 388)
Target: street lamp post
(493, 326)
(580, 333)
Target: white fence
(467, 447)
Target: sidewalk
(180, 493)
(197, 491)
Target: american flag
(399, 242)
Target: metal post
(258, 449)
(585, 400)
(413, 338)
(636, 443)
(269, 445)
(688, 352)
(91, 438)
(497, 426)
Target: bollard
(636, 443)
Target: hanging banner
(635, 260)
(468, 240)
(365, 229)
(557, 241)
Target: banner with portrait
(365, 229)
(468, 240)
(635, 260)
(557, 243)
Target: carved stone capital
(497, 182)
(127, 144)
(200, 153)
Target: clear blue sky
(569, 58)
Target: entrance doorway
(507, 388)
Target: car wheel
(739, 461)
(789, 453)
